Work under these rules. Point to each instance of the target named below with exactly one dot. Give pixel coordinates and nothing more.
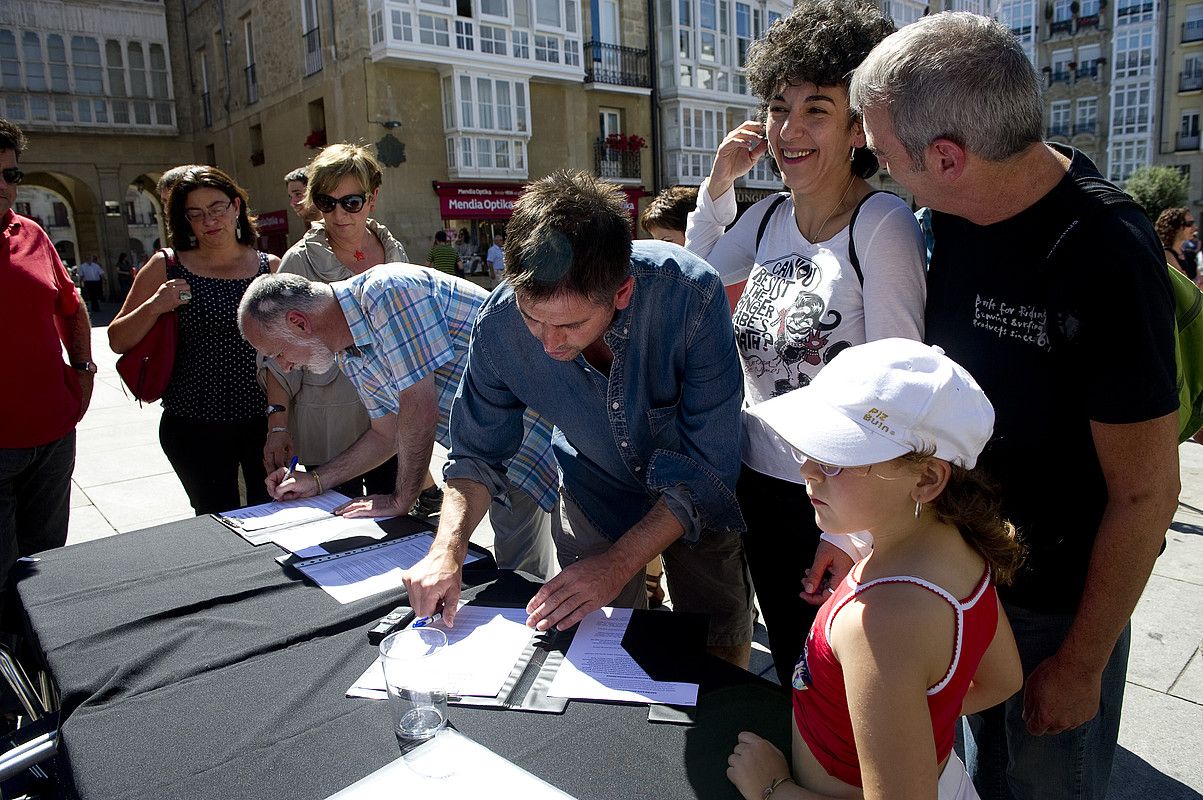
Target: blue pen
(424, 621)
(292, 465)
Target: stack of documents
(481, 652)
(257, 524)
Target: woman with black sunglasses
(212, 422)
(318, 416)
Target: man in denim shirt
(629, 351)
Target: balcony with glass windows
(1090, 21)
(99, 114)
(1087, 71)
(533, 37)
(1186, 141)
(1061, 75)
(1060, 130)
(1192, 31)
(1190, 81)
(616, 65)
(1086, 128)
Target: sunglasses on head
(12, 175)
(351, 203)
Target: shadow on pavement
(1133, 778)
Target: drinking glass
(416, 691)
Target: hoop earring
(918, 509)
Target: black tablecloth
(191, 665)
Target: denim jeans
(1008, 763)
(35, 499)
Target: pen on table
(424, 621)
(292, 465)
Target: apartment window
(1059, 118)
(433, 30)
(57, 57)
(377, 27)
(1089, 8)
(1133, 53)
(548, 13)
(252, 79)
(547, 48)
(1126, 157)
(486, 124)
(1189, 125)
(85, 61)
(701, 131)
(521, 40)
(1020, 17)
(311, 35)
(1129, 11)
(1087, 117)
(495, 8)
(10, 64)
(1060, 63)
(1192, 66)
(139, 87)
(1131, 110)
(402, 25)
(1061, 10)
(35, 71)
(463, 35)
(492, 40)
(572, 52)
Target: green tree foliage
(1157, 188)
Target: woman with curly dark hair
(213, 409)
(828, 264)
(1175, 227)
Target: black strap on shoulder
(171, 263)
(860, 276)
(768, 215)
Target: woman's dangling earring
(238, 231)
(918, 508)
(852, 155)
(192, 241)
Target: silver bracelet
(278, 429)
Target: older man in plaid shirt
(400, 333)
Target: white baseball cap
(881, 400)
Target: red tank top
(821, 702)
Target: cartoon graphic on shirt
(790, 336)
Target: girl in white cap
(887, 437)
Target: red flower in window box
(316, 139)
(636, 142)
(616, 141)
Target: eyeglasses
(831, 470)
(1190, 223)
(351, 203)
(214, 211)
(12, 175)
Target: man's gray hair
(270, 297)
(956, 76)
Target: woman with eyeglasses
(1175, 227)
(318, 416)
(829, 264)
(212, 420)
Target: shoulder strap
(171, 262)
(860, 276)
(768, 215)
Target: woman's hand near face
(736, 156)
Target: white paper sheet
(279, 513)
(306, 539)
(353, 575)
(482, 650)
(596, 667)
(450, 767)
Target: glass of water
(417, 693)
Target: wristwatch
(275, 408)
(84, 366)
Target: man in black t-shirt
(1080, 369)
